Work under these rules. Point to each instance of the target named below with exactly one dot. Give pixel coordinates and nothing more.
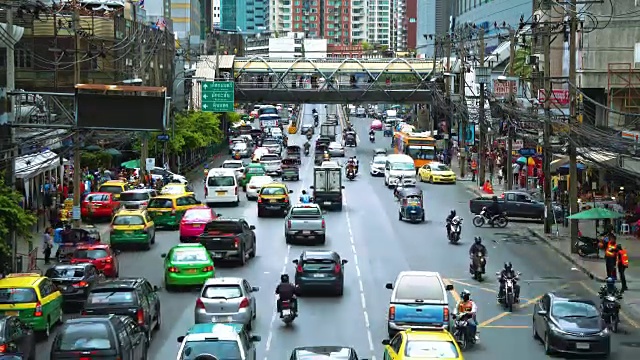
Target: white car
(377, 166)
(255, 184)
(336, 149)
(236, 165)
(158, 173)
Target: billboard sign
(501, 88)
(560, 97)
(120, 112)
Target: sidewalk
(473, 186)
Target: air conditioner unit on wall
(534, 59)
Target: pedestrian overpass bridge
(334, 81)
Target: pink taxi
(193, 222)
(376, 125)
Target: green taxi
(167, 210)
(33, 298)
(250, 171)
(187, 265)
(132, 227)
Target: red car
(101, 256)
(99, 205)
(376, 125)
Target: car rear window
(97, 197)
(271, 142)
(67, 273)
(114, 189)
(422, 349)
(204, 214)
(310, 212)
(134, 196)
(17, 296)
(270, 158)
(231, 165)
(160, 204)
(189, 255)
(223, 227)
(109, 296)
(318, 264)
(90, 254)
(221, 349)
(221, 181)
(128, 220)
(255, 170)
(222, 292)
(85, 336)
(419, 287)
(273, 191)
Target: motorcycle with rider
(509, 293)
(465, 321)
(478, 256)
(287, 303)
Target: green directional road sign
(217, 96)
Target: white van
(221, 187)
(361, 112)
(399, 166)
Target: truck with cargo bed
(327, 187)
(305, 222)
(229, 239)
(516, 204)
(329, 131)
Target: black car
(320, 270)
(17, 338)
(324, 352)
(569, 325)
(74, 280)
(108, 337)
(134, 297)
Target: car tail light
(85, 358)
(259, 199)
(244, 303)
(199, 304)
(337, 269)
(252, 187)
(299, 268)
(3, 348)
(289, 224)
(38, 312)
(144, 203)
(140, 316)
(207, 269)
(236, 242)
(392, 312)
(107, 261)
(83, 313)
(235, 189)
(81, 284)
(323, 224)
(286, 199)
(173, 212)
(446, 314)
(206, 191)
(173, 269)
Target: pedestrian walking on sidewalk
(47, 244)
(610, 256)
(623, 264)
(500, 174)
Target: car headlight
(604, 333)
(556, 329)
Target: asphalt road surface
(378, 246)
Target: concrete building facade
(215, 14)
(290, 45)
(185, 15)
(379, 22)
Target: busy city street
(378, 246)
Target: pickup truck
(229, 239)
(305, 222)
(273, 145)
(517, 204)
(272, 164)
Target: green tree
(13, 217)
(193, 130)
(520, 67)
(233, 117)
(95, 159)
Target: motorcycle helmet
(453, 213)
(611, 283)
(508, 266)
(465, 295)
(304, 192)
(284, 278)
(478, 240)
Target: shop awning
(557, 163)
(28, 166)
(597, 157)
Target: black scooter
(588, 246)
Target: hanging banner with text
(559, 97)
(502, 88)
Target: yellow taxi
(168, 210)
(437, 173)
(115, 187)
(33, 298)
(176, 189)
(409, 344)
(132, 227)
(274, 197)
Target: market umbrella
(131, 164)
(525, 161)
(596, 214)
(113, 152)
(396, 106)
(92, 148)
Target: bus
(420, 146)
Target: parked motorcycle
(372, 138)
(500, 221)
(588, 246)
(288, 314)
(461, 331)
(455, 230)
(477, 267)
(610, 310)
(509, 298)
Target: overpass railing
(332, 86)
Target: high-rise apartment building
(379, 22)
(185, 15)
(405, 23)
(244, 16)
(215, 14)
(280, 17)
(359, 21)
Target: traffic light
(539, 150)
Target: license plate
(318, 275)
(582, 346)
(218, 255)
(220, 192)
(12, 313)
(273, 201)
(192, 271)
(286, 312)
(128, 232)
(327, 202)
(221, 319)
(306, 232)
(196, 225)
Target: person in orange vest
(474, 169)
(611, 256)
(623, 264)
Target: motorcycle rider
(307, 146)
(305, 198)
(477, 247)
(508, 273)
(314, 111)
(468, 306)
(493, 209)
(206, 170)
(326, 156)
(450, 217)
(609, 288)
(286, 291)
(351, 166)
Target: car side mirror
(542, 313)
(180, 339)
(448, 287)
(342, 186)
(117, 252)
(156, 288)
(198, 202)
(255, 289)
(255, 338)
(498, 273)
(295, 262)
(163, 255)
(311, 187)
(386, 342)
(290, 191)
(389, 286)
(344, 261)
(252, 227)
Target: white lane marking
(273, 316)
(363, 300)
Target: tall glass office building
(245, 16)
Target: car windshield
(114, 189)
(17, 296)
(173, 189)
(421, 349)
(231, 291)
(273, 191)
(85, 336)
(422, 152)
(128, 220)
(97, 197)
(160, 204)
(413, 287)
(197, 214)
(569, 309)
(134, 196)
(440, 167)
(379, 161)
(402, 166)
(239, 145)
(109, 296)
(231, 165)
(221, 181)
(90, 254)
(64, 273)
(189, 255)
(221, 349)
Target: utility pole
(216, 42)
(546, 146)
(510, 130)
(77, 171)
(573, 161)
(144, 146)
(483, 128)
(462, 115)
(10, 176)
(447, 82)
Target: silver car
(242, 148)
(336, 149)
(236, 165)
(273, 145)
(226, 299)
(377, 166)
(137, 199)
